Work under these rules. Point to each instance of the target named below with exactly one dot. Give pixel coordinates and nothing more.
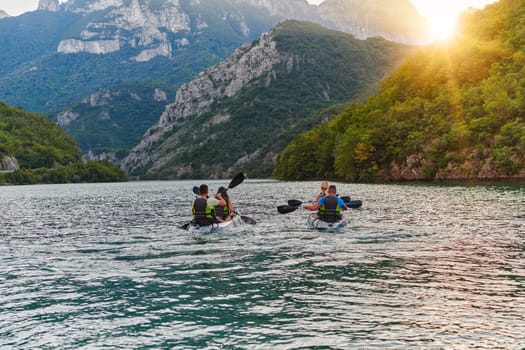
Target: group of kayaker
(218, 208)
(210, 210)
(327, 204)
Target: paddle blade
(346, 199)
(236, 181)
(285, 209)
(248, 220)
(196, 191)
(185, 226)
(294, 203)
(355, 204)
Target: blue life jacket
(330, 211)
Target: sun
(443, 28)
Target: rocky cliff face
(48, 5)
(472, 168)
(195, 98)
(8, 164)
(133, 23)
(112, 25)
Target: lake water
(105, 267)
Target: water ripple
(105, 266)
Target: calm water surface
(105, 267)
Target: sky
(428, 8)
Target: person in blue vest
(224, 212)
(203, 208)
(329, 207)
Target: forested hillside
(35, 150)
(451, 111)
(115, 119)
(34, 140)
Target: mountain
(49, 5)
(54, 59)
(395, 20)
(65, 52)
(107, 124)
(3, 14)
(241, 112)
(451, 111)
(35, 150)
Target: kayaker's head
(332, 190)
(224, 193)
(203, 190)
(324, 186)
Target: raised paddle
(236, 181)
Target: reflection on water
(105, 266)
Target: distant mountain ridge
(110, 25)
(65, 52)
(3, 14)
(241, 112)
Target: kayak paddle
(246, 219)
(236, 181)
(285, 209)
(185, 226)
(294, 204)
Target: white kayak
(215, 228)
(318, 224)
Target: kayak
(215, 228)
(318, 224)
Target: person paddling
(329, 207)
(224, 212)
(203, 208)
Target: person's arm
(230, 206)
(342, 204)
(213, 202)
(316, 205)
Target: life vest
(202, 214)
(222, 212)
(330, 211)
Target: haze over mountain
(240, 113)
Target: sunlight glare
(443, 28)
